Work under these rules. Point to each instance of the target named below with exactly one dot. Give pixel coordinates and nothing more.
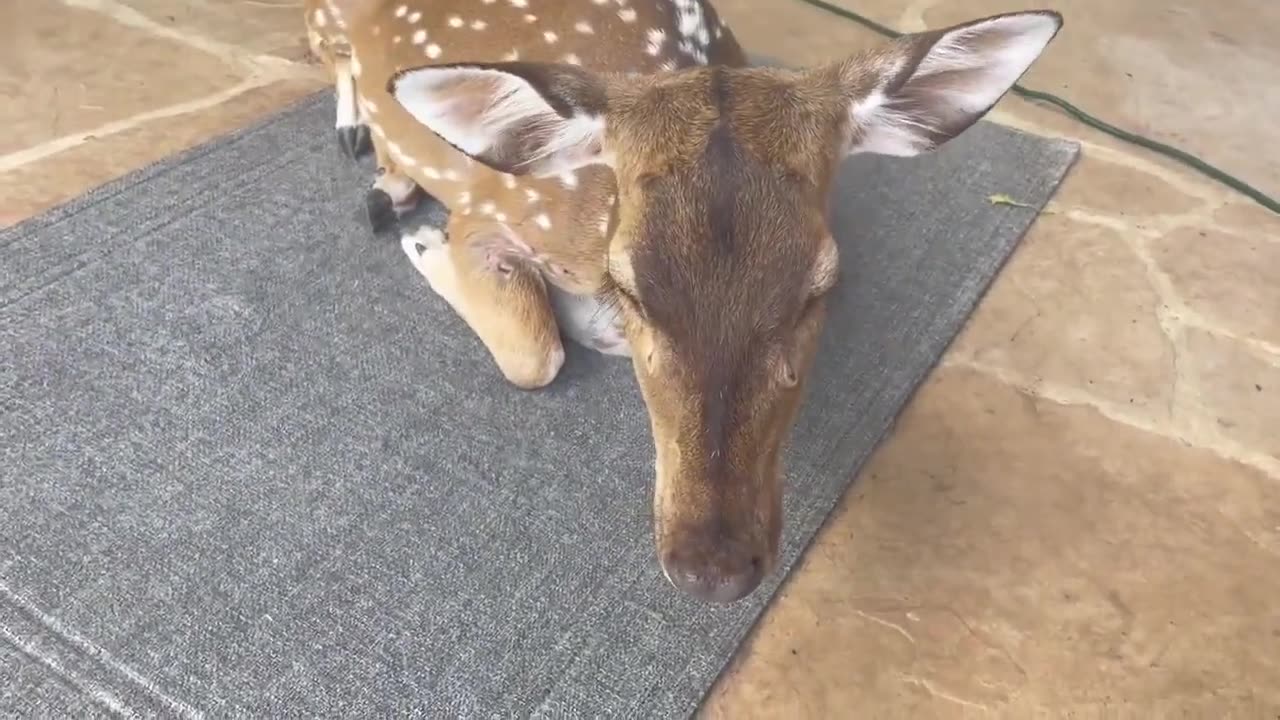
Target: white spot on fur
(531, 194)
(656, 38)
(318, 18)
(668, 65)
(509, 181)
(627, 14)
(530, 18)
(488, 208)
(519, 3)
(583, 27)
(543, 221)
(433, 51)
(550, 37)
(500, 217)
(419, 37)
(396, 40)
(415, 17)
(569, 180)
(572, 59)
(431, 173)
(401, 10)
(479, 24)
(691, 19)
(451, 175)
(455, 21)
(511, 56)
(464, 198)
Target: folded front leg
(505, 304)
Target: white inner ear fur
(476, 109)
(965, 72)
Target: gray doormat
(252, 466)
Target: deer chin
(717, 541)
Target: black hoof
(380, 210)
(364, 141)
(355, 141)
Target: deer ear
(516, 117)
(926, 88)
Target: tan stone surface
(1233, 391)
(1197, 259)
(1043, 320)
(74, 70)
(258, 26)
(1077, 516)
(1005, 552)
(33, 188)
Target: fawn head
(720, 255)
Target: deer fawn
(617, 173)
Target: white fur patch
(588, 322)
(433, 262)
(346, 100)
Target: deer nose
(723, 570)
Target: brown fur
(714, 240)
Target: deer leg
(393, 194)
(507, 308)
(352, 128)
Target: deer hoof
(355, 141)
(380, 210)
